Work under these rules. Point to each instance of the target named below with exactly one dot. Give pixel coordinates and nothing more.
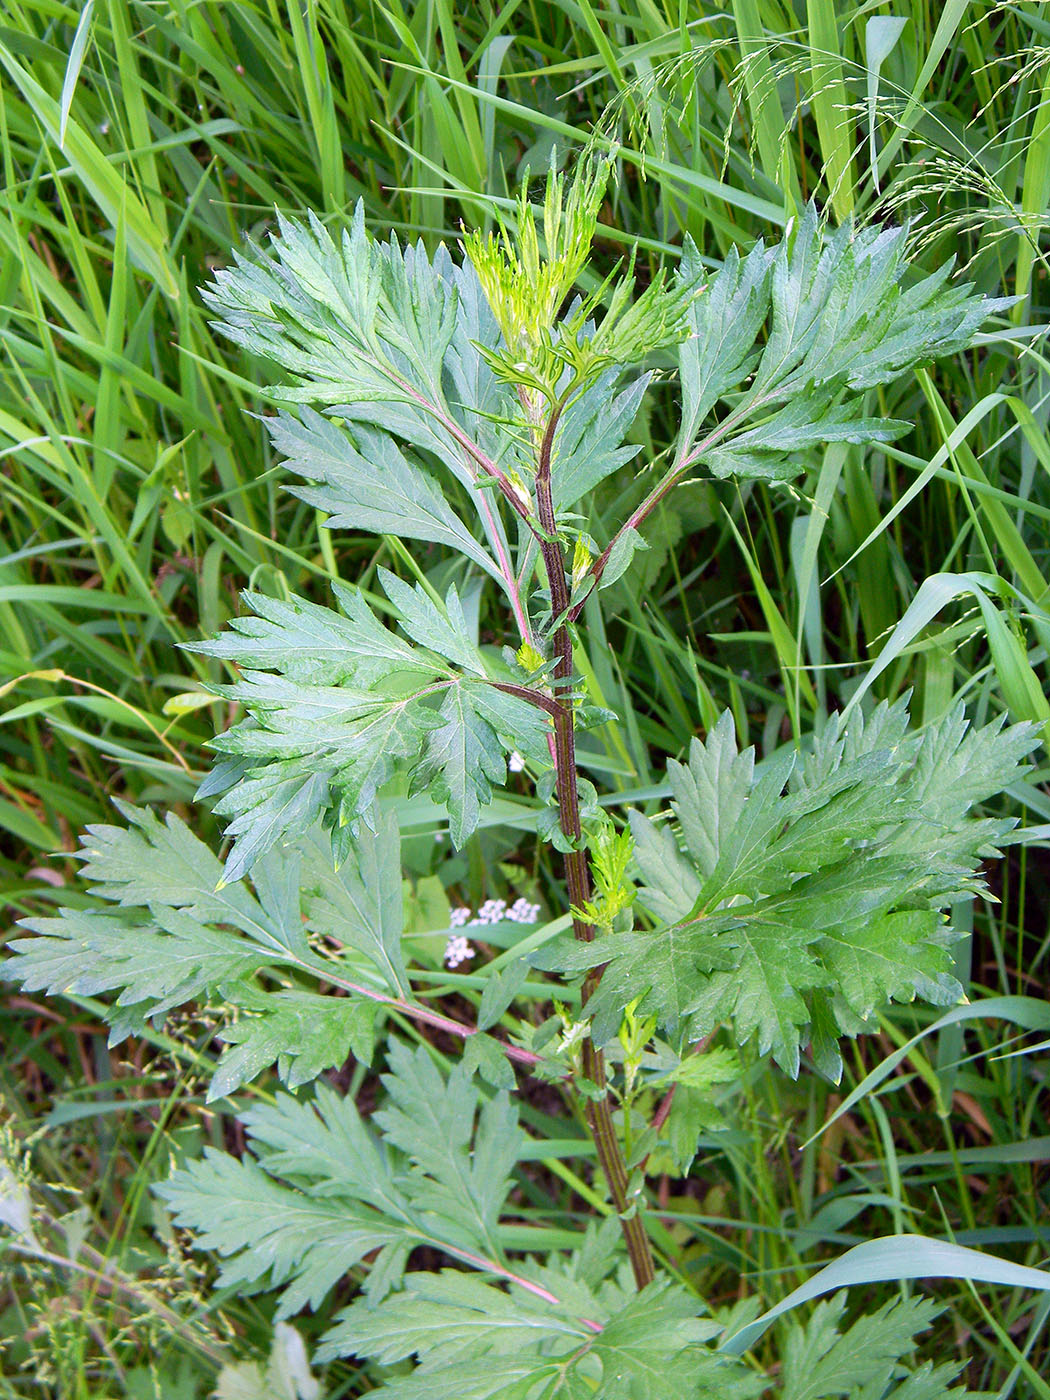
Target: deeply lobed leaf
(179, 935)
(796, 913)
(839, 319)
(494, 1343)
(863, 1362)
(327, 1192)
(321, 740)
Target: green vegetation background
(141, 141)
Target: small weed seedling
(472, 403)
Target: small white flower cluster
(522, 912)
(458, 948)
(491, 912)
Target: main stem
(577, 873)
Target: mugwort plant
(473, 401)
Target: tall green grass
(141, 143)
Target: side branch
(506, 486)
(480, 459)
(663, 488)
(423, 1014)
(533, 697)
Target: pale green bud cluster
(527, 287)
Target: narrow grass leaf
(898, 1257)
(77, 50)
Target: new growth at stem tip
(527, 286)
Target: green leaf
(486, 1056)
(155, 966)
(499, 991)
(588, 444)
(318, 1192)
(177, 940)
(882, 958)
(324, 312)
(724, 322)
(624, 547)
(268, 804)
(325, 1148)
(463, 759)
(820, 1361)
(301, 1032)
(445, 1319)
(839, 319)
(153, 862)
(446, 633)
(771, 450)
(778, 836)
(328, 726)
(674, 885)
(360, 904)
(473, 1339)
(367, 483)
(693, 1113)
(503, 1378)
(709, 793)
(307, 642)
(655, 1346)
(270, 1235)
(762, 995)
(432, 1121)
(309, 745)
(797, 914)
(367, 330)
(150, 864)
(520, 724)
(479, 402)
(661, 971)
(325, 1195)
